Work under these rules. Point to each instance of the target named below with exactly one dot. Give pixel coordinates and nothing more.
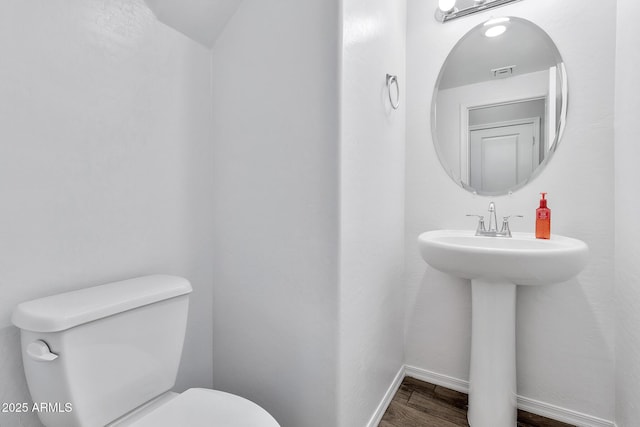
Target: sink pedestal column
(492, 375)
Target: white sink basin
(521, 259)
(495, 265)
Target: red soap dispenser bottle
(543, 219)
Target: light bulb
(446, 5)
(495, 31)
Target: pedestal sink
(495, 265)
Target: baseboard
(438, 379)
(388, 397)
(535, 407)
(561, 414)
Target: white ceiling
(200, 20)
(523, 44)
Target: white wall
(565, 332)
(309, 221)
(104, 159)
(276, 116)
(627, 207)
(371, 206)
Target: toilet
(109, 355)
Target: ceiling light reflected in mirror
(495, 31)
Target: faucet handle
(505, 224)
(481, 226)
(480, 217)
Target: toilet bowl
(109, 356)
(199, 407)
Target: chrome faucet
(492, 230)
(493, 221)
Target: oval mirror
(499, 106)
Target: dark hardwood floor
(420, 404)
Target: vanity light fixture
(446, 6)
(447, 10)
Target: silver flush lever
(40, 352)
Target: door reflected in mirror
(499, 106)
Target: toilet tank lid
(63, 311)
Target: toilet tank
(111, 348)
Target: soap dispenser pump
(543, 219)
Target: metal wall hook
(393, 80)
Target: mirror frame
(560, 125)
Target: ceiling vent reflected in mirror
(503, 72)
(452, 9)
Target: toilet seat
(199, 407)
